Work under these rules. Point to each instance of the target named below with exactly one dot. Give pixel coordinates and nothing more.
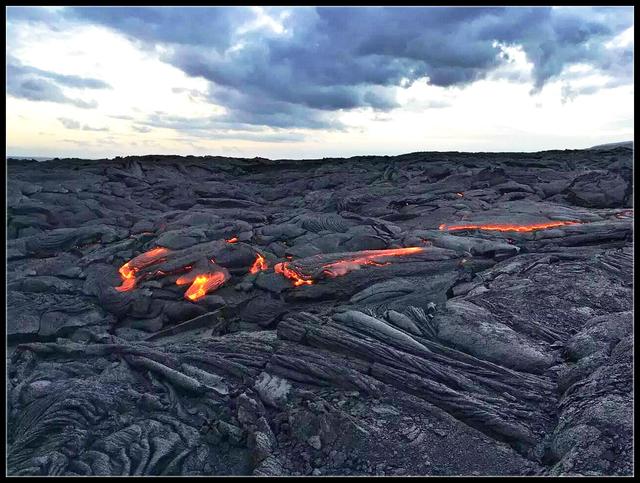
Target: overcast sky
(314, 82)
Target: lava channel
(128, 270)
(507, 227)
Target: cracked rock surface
(423, 314)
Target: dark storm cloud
(333, 59)
(213, 27)
(34, 84)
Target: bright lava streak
(259, 265)
(204, 283)
(342, 267)
(232, 240)
(291, 274)
(370, 257)
(128, 270)
(518, 228)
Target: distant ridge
(29, 158)
(623, 144)
(599, 147)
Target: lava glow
(506, 227)
(259, 265)
(232, 240)
(342, 267)
(203, 284)
(370, 257)
(291, 274)
(185, 279)
(128, 270)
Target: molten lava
(259, 265)
(128, 270)
(291, 274)
(127, 284)
(342, 267)
(185, 279)
(506, 227)
(232, 240)
(369, 257)
(204, 283)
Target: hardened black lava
(424, 314)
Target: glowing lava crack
(284, 269)
(507, 227)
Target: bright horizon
(284, 83)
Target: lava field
(424, 314)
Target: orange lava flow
(371, 257)
(185, 279)
(232, 240)
(519, 228)
(342, 267)
(291, 274)
(259, 265)
(204, 283)
(128, 270)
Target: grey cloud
(72, 124)
(35, 84)
(97, 129)
(568, 92)
(334, 59)
(38, 89)
(214, 128)
(209, 26)
(73, 81)
(69, 123)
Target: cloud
(72, 81)
(569, 92)
(37, 89)
(300, 67)
(72, 124)
(124, 117)
(35, 84)
(219, 128)
(213, 27)
(69, 123)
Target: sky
(285, 82)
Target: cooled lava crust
(425, 314)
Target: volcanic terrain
(424, 314)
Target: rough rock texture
(326, 350)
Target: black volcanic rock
(480, 351)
